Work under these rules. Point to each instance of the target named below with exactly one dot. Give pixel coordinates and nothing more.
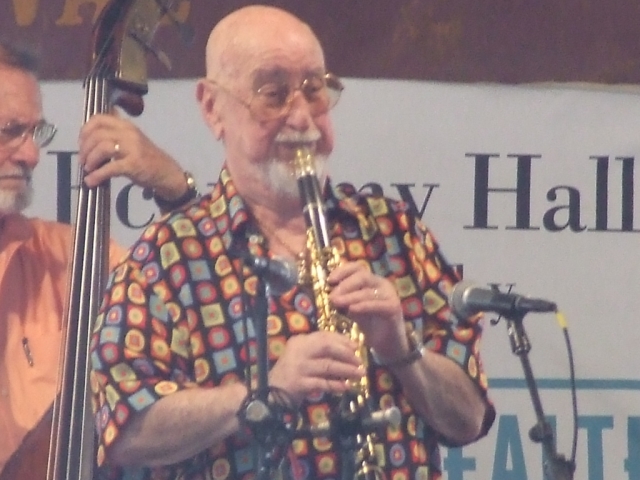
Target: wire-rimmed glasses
(273, 100)
(13, 134)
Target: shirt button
(255, 238)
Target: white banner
(528, 188)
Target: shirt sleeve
(442, 332)
(139, 348)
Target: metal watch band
(415, 353)
(190, 194)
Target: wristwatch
(416, 351)
(192, 192)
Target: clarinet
(353, 408)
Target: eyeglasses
(13, 135)
(273, 100)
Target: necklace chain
(274, 236)
(299, 256)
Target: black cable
(574, 396)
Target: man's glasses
(12, 135)
(273, 100)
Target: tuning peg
(162, 58)
(159, 54)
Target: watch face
(191, 182)
(189, 194)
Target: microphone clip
(279, 274)
(271, 420)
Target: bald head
(243, 37)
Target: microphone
(281, 275)
(372, 422)
(466, 300)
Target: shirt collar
(339, 200)
(228, 206)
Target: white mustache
(23, 173)
(298, 137)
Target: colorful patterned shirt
(175, 316)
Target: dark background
(505, 41)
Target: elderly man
(35, 253)
(174, 347)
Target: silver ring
(376, 294)
(116, 149)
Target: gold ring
(116, 149)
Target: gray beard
(281, 176)
(15, 202)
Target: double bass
(62, 445)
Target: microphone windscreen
(458, 301)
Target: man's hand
(109, 137)
(373, 303)
(318, 361)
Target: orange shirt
(34, 262)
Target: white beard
(280, 176)
(12, 201)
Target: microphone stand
(556, 467)
(264, 422)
